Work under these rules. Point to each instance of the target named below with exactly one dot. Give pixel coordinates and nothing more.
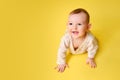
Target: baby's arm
(92, 49)
(61, 57)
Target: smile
(75, 32)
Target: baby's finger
(67, 65)
(55, 67)
(61, 70)
(87, 62)
(93, 65)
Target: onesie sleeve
(92, 48)
(61, 56)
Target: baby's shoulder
(91, 37)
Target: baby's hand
(61, 67)
(91, 62)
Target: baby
(78, 39)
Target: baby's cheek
(82, 33)
(81, 30)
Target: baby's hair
(80, 10)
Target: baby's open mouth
(75, 32)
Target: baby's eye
(70, 23)
(79, 24)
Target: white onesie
(89, 44)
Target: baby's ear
(89, 26)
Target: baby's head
(78, 23)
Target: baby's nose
(75, 26)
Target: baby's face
(77, 25)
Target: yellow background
(30, 32)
